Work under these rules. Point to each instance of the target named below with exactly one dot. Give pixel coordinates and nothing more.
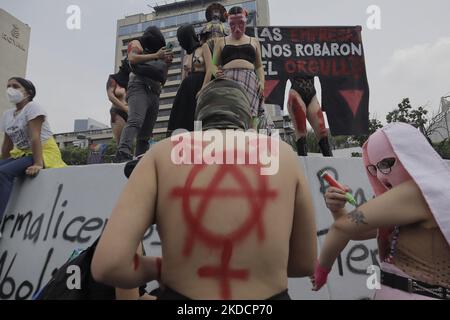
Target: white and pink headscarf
(421, 162)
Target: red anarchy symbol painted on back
(257, 199)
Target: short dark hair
(236, 10)
(28, 86)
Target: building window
(125, 30)
(176, 66)
(174, 77)
(166, 101)
(164, 113)
(192, 18)
(160, 125)
(170, 89)
(170, 34)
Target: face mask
(216, 15)
(379, 149)
(237, 25)
(14, 96)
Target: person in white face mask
(28, 145)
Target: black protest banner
(335, 55)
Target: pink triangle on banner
(269, 86)
(353, 99)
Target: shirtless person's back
(227, 230)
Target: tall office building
(14, 42)
(168, 18)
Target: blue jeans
(9, 170)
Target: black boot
(122, 157)
(324, 146)
(129, 167)
(302, 148)
(142, 146)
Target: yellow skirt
(50, 153)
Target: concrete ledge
(64, 209)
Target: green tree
(312, 142)
(342, 142)
(406, 113)
(418, 118)
(110, 152)
(443, 148)
(74, 156)
(401, 114)
(374, 125)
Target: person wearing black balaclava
(149, 60)
(183, 110)
(116, 89)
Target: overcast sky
(408, 57)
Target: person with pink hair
(409, 216)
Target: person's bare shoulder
(161, 148)
(166, 149)
(288, 153)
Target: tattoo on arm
(357, 217)
(133, 48)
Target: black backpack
(57, 289)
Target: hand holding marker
(328, 178)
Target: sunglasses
(385, 166)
